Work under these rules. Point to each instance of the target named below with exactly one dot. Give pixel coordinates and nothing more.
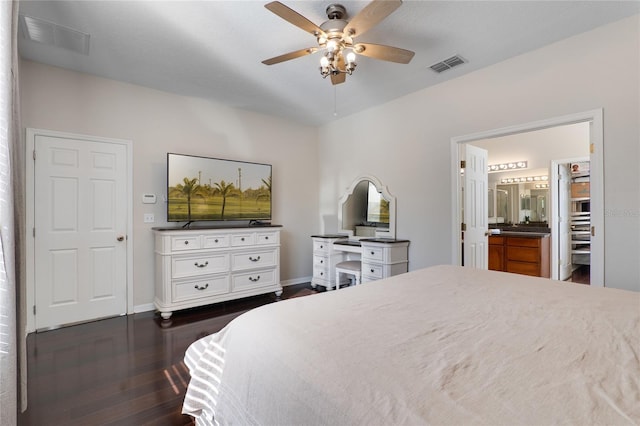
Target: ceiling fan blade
(371, 15)
(294, 17)
(290, 55)
(340, 77)
(385, 53)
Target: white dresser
(195, 267)
(383, 258)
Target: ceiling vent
(46, 32)
(447, 64)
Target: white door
(476, 241)
(80, 220)
(564, 222)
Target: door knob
(120, 238)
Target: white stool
(349, 267)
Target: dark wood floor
(122, 371)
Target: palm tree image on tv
(213, 189)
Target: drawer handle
(201, 265)
(266, 238)
(321, 246)
(242, 239)
(186, 242)
(321, 262)
(197, 287)
(254, 279)
(372, 271)
(372, 253)
(254, 259)
(215, 241)
(321, 273)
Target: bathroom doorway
(591, 122)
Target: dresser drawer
(263, 238)
(249, 280)
(193, 266)
(215, 241)
(254, 259)
(201, 288)
(523, 254)
(240, 240)
(191, 242)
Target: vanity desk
(366, 232)
(380, 257)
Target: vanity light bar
(541, 185)
(525, 179)
(505, 167)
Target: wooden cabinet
(196, 267)
(383, 258)
(522, 254)
(496, 253)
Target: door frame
(596, 135)
(31, 134)
(555, 206)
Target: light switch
(149, 218)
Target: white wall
(406, 143)
(157, 123)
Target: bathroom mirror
(367, 210)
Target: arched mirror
(367, 210)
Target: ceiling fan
(336, 38)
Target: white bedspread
(442, 345)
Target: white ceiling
(214, 49)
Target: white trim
(146, 307)
(595, 118)
(30, 138)
(295, 281)
(391, 233)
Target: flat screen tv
(213, 189)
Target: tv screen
(207, 189)
(377, 206)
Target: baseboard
(144, 308)
(295, 281)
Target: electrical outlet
(149, 218)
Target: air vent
(447, 64)
(46, 32)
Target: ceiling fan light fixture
(335, 37)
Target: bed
(441, 345)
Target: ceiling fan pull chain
(335, 108)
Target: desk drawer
(373, 253)
(322, 246)
(373, 270)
